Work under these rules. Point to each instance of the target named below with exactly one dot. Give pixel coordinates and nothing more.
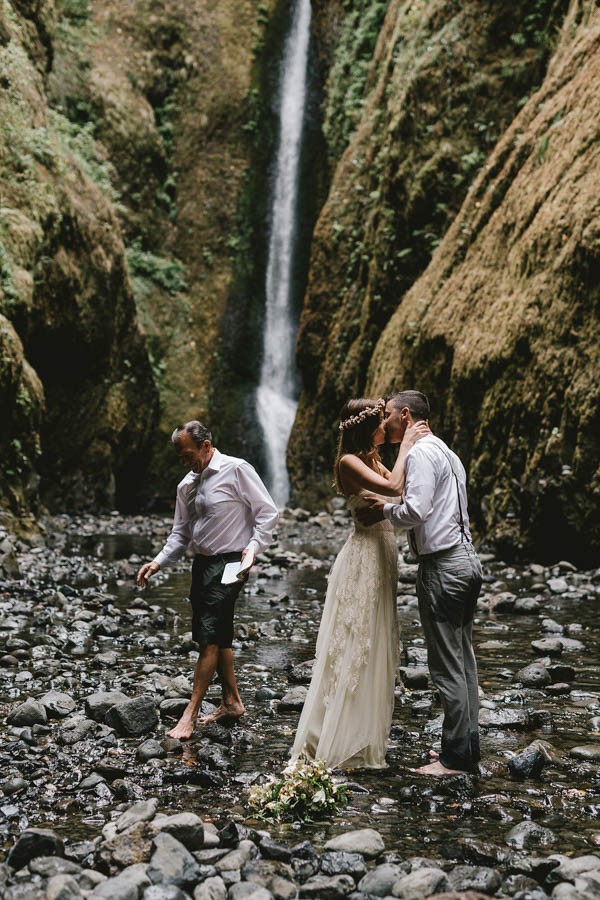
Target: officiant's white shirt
(220, 510)
(430, 504)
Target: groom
(434, 509)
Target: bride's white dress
(348, 710)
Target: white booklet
(236, 571)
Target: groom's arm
(417, 504)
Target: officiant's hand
(373, 512)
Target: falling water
(276, 393)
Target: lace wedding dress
(348, 710)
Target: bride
(348, 710)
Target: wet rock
(504, 718)
(366, 841)
(246, 890)
(97, 705)
(301, 673)
(550, 646)
(111, 767)
(323, 887)
(568, 869)
(336, 862)
(75, 730)
(271, 849)
(58, 705)
(503, 602)
(529, 763)
(475, 878)
(34, 842)
(527, 606)
(528, 836)
(293, 699)
(380, 881)
(150, 749)
(211, 889)
(143, 811)
(127, 885)
(557, 585)
(172, 708)
(421, 883)
(586, 751)
(236, 859)
(133, 717)
(31, 712)
(13, 786)
(534, 675)
(171, 863)
(185, 827)
(264, 694)
(415, 678)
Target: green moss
(147, 269)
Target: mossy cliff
(74, 369)
(449, 94)
(502, 329)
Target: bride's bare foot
(438, 770)
(229, 712)
(183, 730)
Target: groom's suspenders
(461, 520)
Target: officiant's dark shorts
(212, 602)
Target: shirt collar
(215, 462)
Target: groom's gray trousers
(448, 585)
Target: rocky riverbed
(95, 801)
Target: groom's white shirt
(430, 503)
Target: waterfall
(276, 393)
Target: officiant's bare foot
(184, 729)
(438, 770)
(224, 713)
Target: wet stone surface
(96, 801)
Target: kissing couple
(348, 710)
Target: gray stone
(58, 705)
(142, 811)
(527, 764)
(75, 730)
(31, 712)
(528, 836)
(517, 884)
(534, 675)
(171, 863)
(211, 889)
(165, 892)
(247, 890)
(550, 645)
(48, 866)
(133, 717)
(150, 749)
(34, 842)
(173, 707)
(557, 585)
(63, 887)
(127, 885)
(422, 883)
(364, 840)
(567, 891)
(475, 878)
(186, 827)
(568, 869)
(380, 881)
(504, 718)
(301, 673)
(324, 887)
(294, 698)
(586, 751)
(97, 705)
(415, 678)
(270, 849)
(337, 862)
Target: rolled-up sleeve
(181, 533)
(417, 504)
(264, 512)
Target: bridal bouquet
(305, 792)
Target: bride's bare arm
(357, 475)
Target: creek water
(277, 620)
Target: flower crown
(351, 421)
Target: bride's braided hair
(359, 420)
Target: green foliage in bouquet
(306, 792)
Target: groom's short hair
(417, 403)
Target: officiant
(223, 512)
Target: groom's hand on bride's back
(373, 512)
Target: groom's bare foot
(433, 754)
(184, 728)
(438, 770)
(224, 713)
